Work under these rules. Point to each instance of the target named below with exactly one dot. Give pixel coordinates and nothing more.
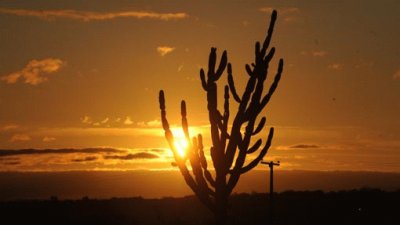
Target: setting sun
(181, 146)
(180, 142)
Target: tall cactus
(229, 149)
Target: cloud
(335, 66)
(86, 120)
(282, 10)
(300, 146)
(48, 139)
(157, 150)
(319, 53)
(105, 120)
(396, 76)
(11, 163)
(6, 152)
(180, 68)
(35, 71)
(20, 137)
(362, 63)
(140, 155)
(152, 123)
(87, 16)
(289, 14)
(164, 50)
(304, 146)
(8, 127)
(86, 159)
(128, 121)
(315, 53)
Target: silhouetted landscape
(108, 184)
(362, 206)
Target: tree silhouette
(229, 149)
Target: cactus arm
(254, 147)
(185, 126)
(249, 70)
(221, 67)
(274, 85)
(231, 84)
(260, 126)
(197, 169)
(267, 40)
(203, 161)
(203, 79)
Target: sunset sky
(80, 78)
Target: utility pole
(271, 165)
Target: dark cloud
(140, 155)
(157, 150)
(304, 146)
(9, 159)
(11, 163)
(6, 152)
(86, 159)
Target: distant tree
(229, 149)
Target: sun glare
(181, 146)
(180, 142)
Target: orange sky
(86, 74)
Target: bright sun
(180, 142)
(181, 146)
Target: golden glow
(180, 142)
(181, 146)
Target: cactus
(229, 149)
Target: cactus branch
(231, 84)
(260, 126)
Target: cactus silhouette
(229, 149)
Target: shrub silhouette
(229, 149)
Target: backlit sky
(86, 74)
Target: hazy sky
(85, 74)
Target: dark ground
(364, 206)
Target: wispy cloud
(35, 71)
(140, 155)
(93, 16)
(105, 120)
(128, 121)
(396, 76)
(335, 66)
(5, 152)
(85, 159)
(319, 53)
(315, 53)
(20, 137)
(304, 146)
(86, 120)
(152, 123)
(180, 68)
(8, 127)
(102, 122)
(289, 14)
(164, 50)
(282, 10)
(48, 139)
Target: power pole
(271, 165)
